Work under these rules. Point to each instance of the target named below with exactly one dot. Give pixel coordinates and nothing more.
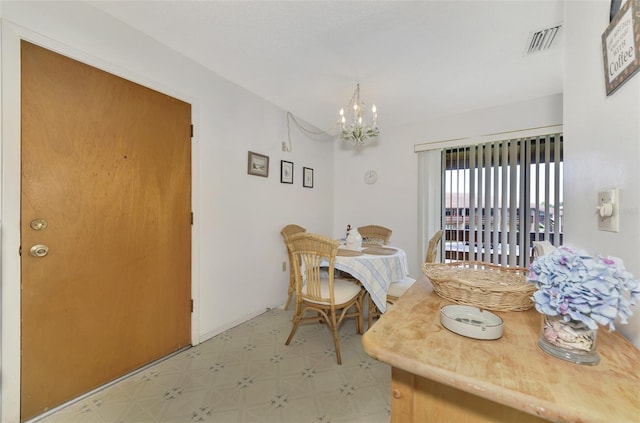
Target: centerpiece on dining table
(575, 293)
(353, 240)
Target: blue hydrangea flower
(593, 290)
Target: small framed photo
(286, 172)
(307, 177)
(258, 164)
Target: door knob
(39, 250)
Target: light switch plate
(610, 223)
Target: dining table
(376, 267)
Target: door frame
(10, 177)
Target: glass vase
(571, 341)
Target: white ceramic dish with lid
(471, 322)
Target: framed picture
(613, 9)
(620, 47)
(307, 177)
(286, 172)
(258, 164)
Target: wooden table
(439, 376)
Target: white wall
(392, 201)
(601, 144)
(237, 247)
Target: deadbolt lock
(39, 250)
(38, 224)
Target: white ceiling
(415, 60)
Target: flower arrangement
(580, 287)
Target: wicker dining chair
(432, 248)
(286, 232)
(397, 289)
(322, 297)
(374, 234)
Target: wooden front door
(106, 188)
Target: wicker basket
(483, 285)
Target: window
(499, 197)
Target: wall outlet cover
(608, 203)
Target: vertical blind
(501, 196)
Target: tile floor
(247, 374)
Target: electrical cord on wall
(287, 146)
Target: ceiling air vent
(543, 39)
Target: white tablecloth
(377, 272)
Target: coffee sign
(620, 46)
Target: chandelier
(356, 131)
